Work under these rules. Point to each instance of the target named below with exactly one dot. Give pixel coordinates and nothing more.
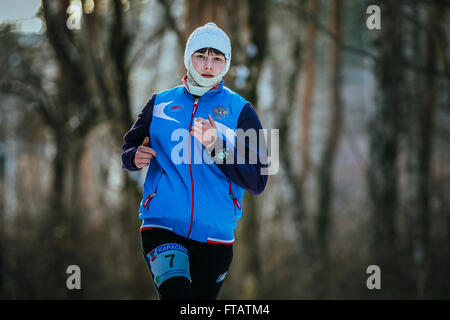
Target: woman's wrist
(218, 151)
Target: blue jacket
(183, 191)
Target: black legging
(208, 263)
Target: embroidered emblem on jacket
(220, 112)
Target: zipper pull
(235, 201)
(195, 106)
(147, 200)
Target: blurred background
(364, 156)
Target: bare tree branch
(355, 50)
(155, 35)
(172, 22)
(65, 50)
(26, 92)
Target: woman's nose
(208, 63)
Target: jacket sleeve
(134, 137)
(245, 169)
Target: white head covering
(207, 36)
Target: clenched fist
(144, 154)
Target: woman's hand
(144, 154)
(205, 131)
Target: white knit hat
(208, 36)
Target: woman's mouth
(207, 75)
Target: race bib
(167, 261)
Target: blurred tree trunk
(68, 130)
(2, 216)
(423, 251)
(307, 89)
(286, 158)
(88, 66)
(384, 131)
(325, 174)
(199, 12)
(302, 81)
(258, 25)
(258, 22)
(284, 113)
(412, 134)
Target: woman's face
(208, 64)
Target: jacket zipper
(235, 201)
(146, 204)
(190, 165)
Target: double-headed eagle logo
(220, 112)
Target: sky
(21, 12)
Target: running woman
(193, 140)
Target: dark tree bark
(307, 91)
(384, 135)
(423, 151)
(92, 62)
(325, 174)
